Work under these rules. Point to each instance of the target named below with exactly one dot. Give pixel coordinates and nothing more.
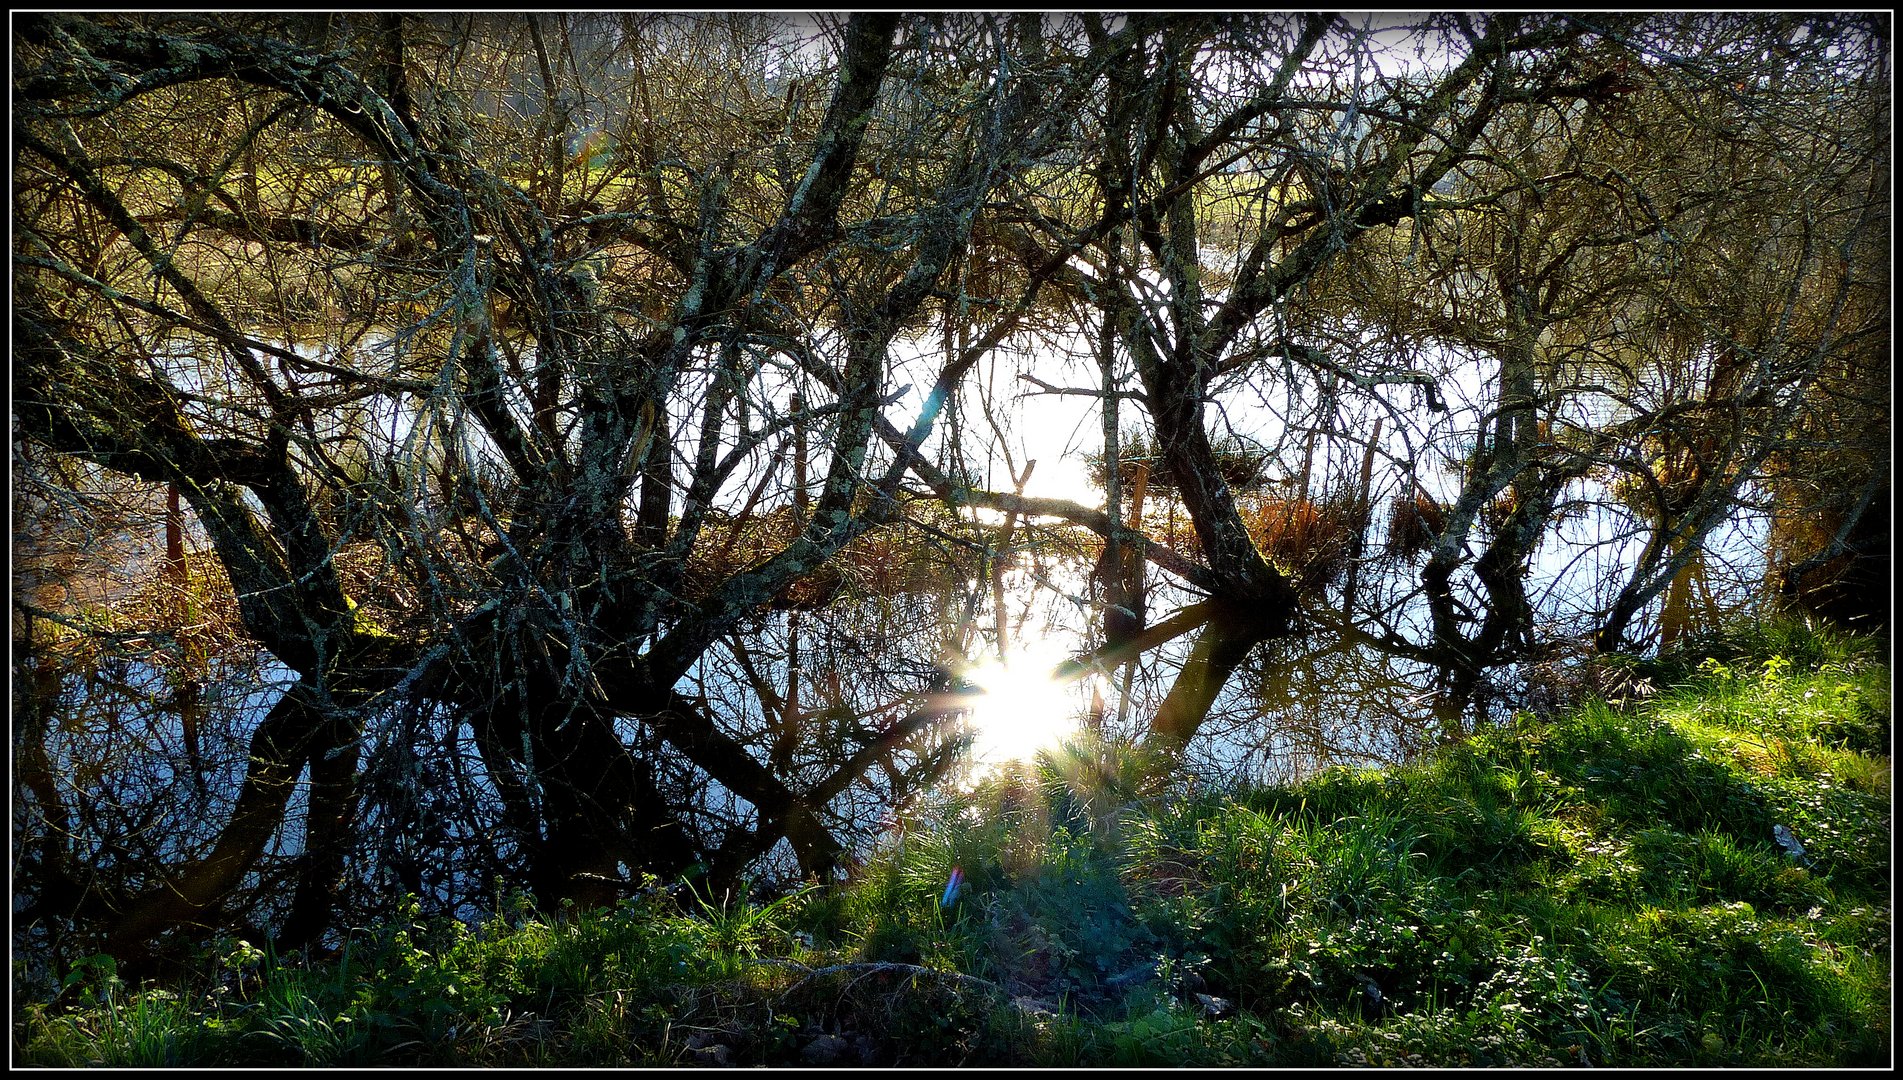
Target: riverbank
(1699, 878)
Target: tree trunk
(1219, 650)
(328, 835)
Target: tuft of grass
(108, 1025)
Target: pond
(142, 772)
(138, 759)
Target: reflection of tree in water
(107, 787)
(112, 787)
(1301, 705)
(1294, 706)
(103, 790)
(827, 687)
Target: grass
(1606, 888)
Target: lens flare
(1020, 708)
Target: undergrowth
(1700, 880)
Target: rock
(1140, 973)
(1375, 997)
(704, 1048)
(1214, 1007)
(824, 1050)
(1033, 1007)
(1792, 846)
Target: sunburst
(1021, 706)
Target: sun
(1020, 708)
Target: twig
(1071, 391)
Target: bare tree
(1265, 117)
(1560, 201)
(530, 371)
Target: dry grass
(1414, 524)
(1311, 541)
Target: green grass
(1607, 887)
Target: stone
(825, 1050)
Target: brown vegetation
(1309, 540)
(1414, 524)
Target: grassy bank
(1618, 886)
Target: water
(807, 689)
(133, 792)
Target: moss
(362, 624)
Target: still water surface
(118, 745)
